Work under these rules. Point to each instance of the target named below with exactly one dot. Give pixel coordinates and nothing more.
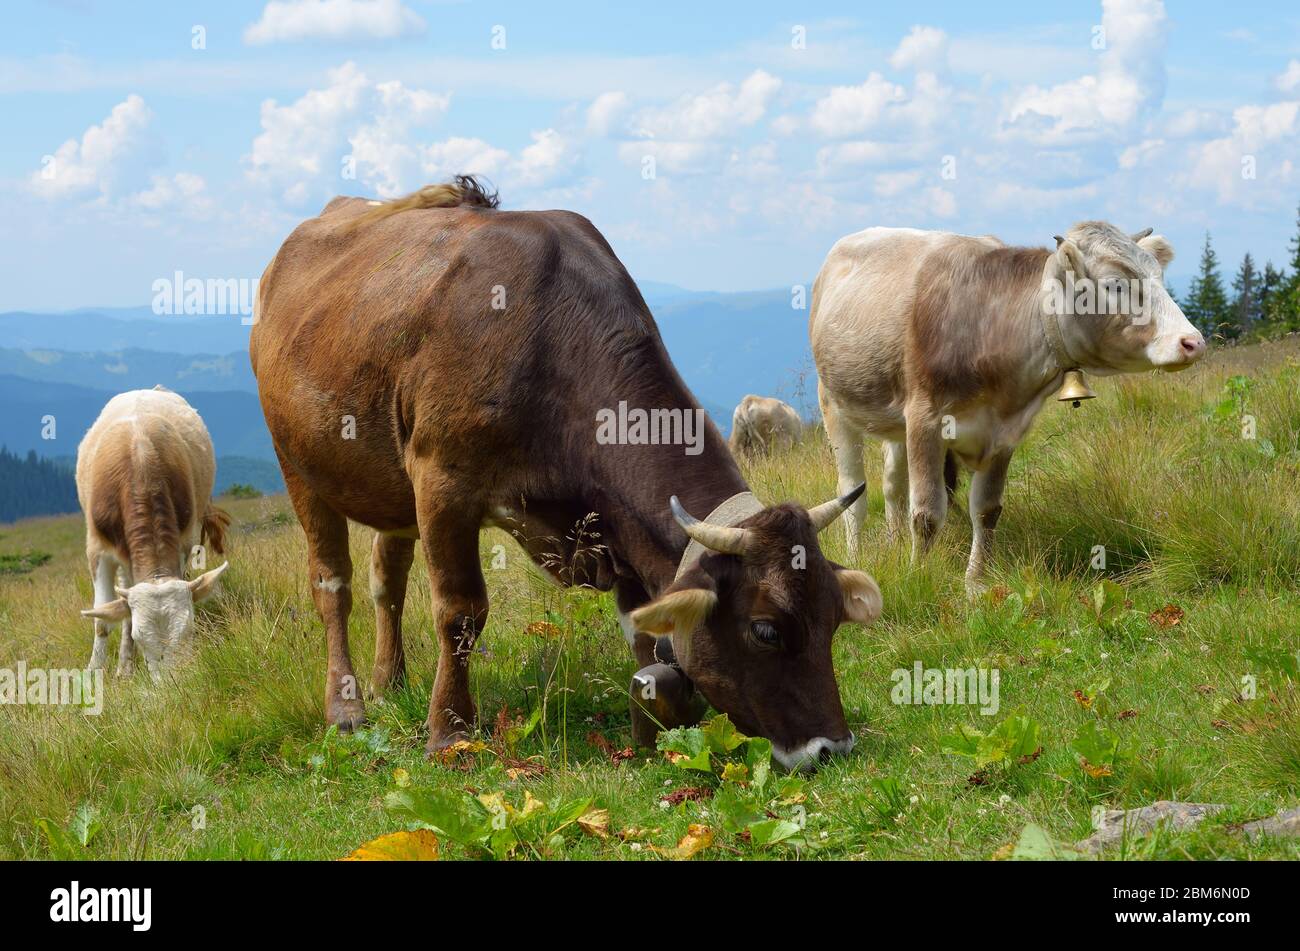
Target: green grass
(1190, 514)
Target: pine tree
(1207, 302)
(1244, 314)
(1283, 306)
(1269, 284)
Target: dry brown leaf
(1169, 616)
(696, 840)
(543, 629)
(595, 822)
(1096, 772)
(687, 794)
(418, 846)
(461, 754)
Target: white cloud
(101, 162)
(720, 111)
(303, 145)
(1257, 151)
(1289, 81)
(545, 162)
(924, 48)
(461, 156)
(680, 157)
(852, 110)
(288, 21)
(604, 110)
(1129, 81)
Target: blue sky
(774, 128)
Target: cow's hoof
(124, 673)
(440, 740)
(347, 715)
(382, 685)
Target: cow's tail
(950, 474)
(213, 531)
(461, 190)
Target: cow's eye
(765, 633)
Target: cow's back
(434, 333)
(145, 442)
(865, 306)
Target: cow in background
(144, 479)
(762, 424)
(945, 347)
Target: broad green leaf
(771, 831)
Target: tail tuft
(213, 532)
(461, 191)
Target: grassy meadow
(1118, 687)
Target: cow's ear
(1069, 258)
(205, 584)
(1157, 245)
(678, 613)
(862, 600)
(117, 610)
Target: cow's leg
(390, 566)
(846, 443)
(986, 489)
(894, 482)
(329, 568)
(927, 493)
(628, 596)
(102, 573)
(449, 530)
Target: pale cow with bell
(945, 347)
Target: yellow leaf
(696, 840)
(595, 822)
(1096, 772)
(401, 777)
(418, 846)
(460, 750)
(735, 773)
(531, 804)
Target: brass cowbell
(1073, 389)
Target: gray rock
(1115, 824)
(1286, 823)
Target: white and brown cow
(144, 479)
(761, 424)
(945, 347)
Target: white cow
(762, 423)
(144, 479)
(946, 347)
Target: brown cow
(144, 478)
(431, 365)
(761, 424)
(946, 348)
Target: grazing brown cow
(144, 478)
(761, 424)
(946, 347)
(431, 365)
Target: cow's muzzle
(812, 754)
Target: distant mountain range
(68, 365)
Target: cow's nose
(814, 753)
(1192, 346)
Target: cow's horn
(1144, 233)
(719, 538)
(828, 512)
(1059, 240)
(120, 591)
